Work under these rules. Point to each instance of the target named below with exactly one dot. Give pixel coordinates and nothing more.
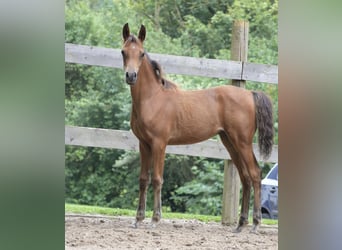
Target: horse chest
(147, 127)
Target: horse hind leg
(246, 191)
(245, 180)
(254, 171)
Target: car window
(274, 173)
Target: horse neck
(146, 86)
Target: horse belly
(194, 131)
(188, 139)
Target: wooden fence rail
(182, 65)
(119, 139)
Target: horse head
(132, 53)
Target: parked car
(269, 194)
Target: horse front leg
(158, 154)
(145, 159)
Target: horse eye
(142, 55)
(122, 53)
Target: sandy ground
(95, 232)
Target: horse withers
(163, 114)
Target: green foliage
(98, 97)
(92, 100)
(84, 209)
(88, 175)
(203, 194)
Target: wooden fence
(239, 71)
(107, 57)
(119, 139)
(182, 65)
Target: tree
(92, 100)
(203, 194)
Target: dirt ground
(95, 232)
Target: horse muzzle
(131, 78)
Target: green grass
(85, 209)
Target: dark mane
(159, 74)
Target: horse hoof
(153, 225)
(135, 224)
(254, 230)
(237, 230)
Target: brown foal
(163, 114)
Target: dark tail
(264, 120)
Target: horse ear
(125, 32)
(142, 33)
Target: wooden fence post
(231, 188)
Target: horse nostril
(135, 75)
(127, 75)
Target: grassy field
(84, 209)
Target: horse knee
(143, 183)
(157, 183)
